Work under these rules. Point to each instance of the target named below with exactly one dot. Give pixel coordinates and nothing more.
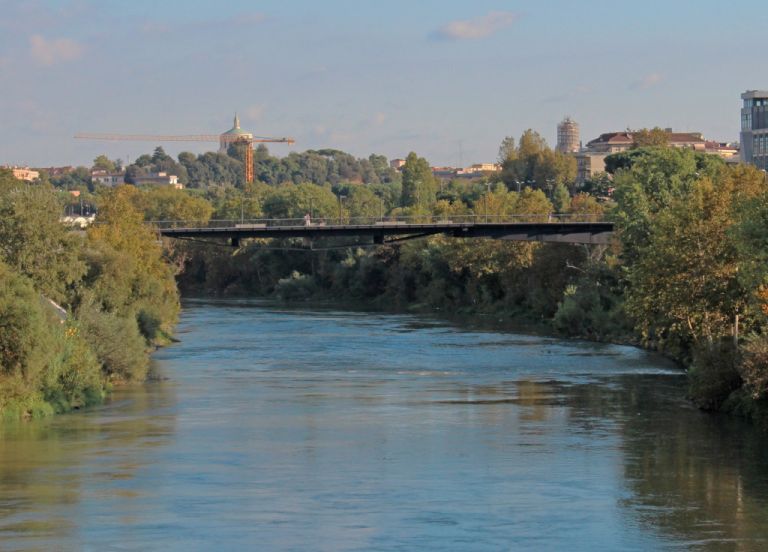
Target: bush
(296, 287)
(149, 324)
(119, 346)
(754, 367)
(73, 378)
(713, 375)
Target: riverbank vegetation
(686, 275)
(79, 311)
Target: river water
(276, 429)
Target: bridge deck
(565, 232)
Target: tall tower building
(232, 135)
(754, 128)
(568, 136)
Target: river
(311, 429)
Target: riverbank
(79, 312)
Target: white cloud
(50, 52)
(479, 27)
(647, 81)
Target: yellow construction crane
(233, 136)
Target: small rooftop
(752, 94)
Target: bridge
(574, 229)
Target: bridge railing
(377, 221)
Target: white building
(107, 179)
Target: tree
(684, 288)
(127, 273)
(534, 204)
(507, 150)
(159, 155)
(295, 201)
(534, 163)
(599, 185)
(34, 243)
(561, 199)
(419, 184)
(656, 178)
(167, 203)
(655, 137)
(8, 182)
(102, 162)
(585, 207)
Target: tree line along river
(294, 429)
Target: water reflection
(51, 470)
(287, 429)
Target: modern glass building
(754, 128)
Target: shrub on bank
(754, 367)
(117, 342)
(296, 287)
(45, 366)
(713, 374)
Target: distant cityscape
(590, 158)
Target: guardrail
(376, 221)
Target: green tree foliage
(158, 162)
(533, 163)
(119, 292)
(656, 178)
(117, 343)
(127, 274)
(167, 203)
(507, 149)
(585, 208)
(212, 170)
(237, 204)
(34, 242)
(654, 137)
(102, 162)
(684, 286)
(8, 182)
(419, 184)
(45, 366)
(600, 185)
(295, 201)
(561, 199)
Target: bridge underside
(561, 232)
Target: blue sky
(447, 79)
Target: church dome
(236, 130)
